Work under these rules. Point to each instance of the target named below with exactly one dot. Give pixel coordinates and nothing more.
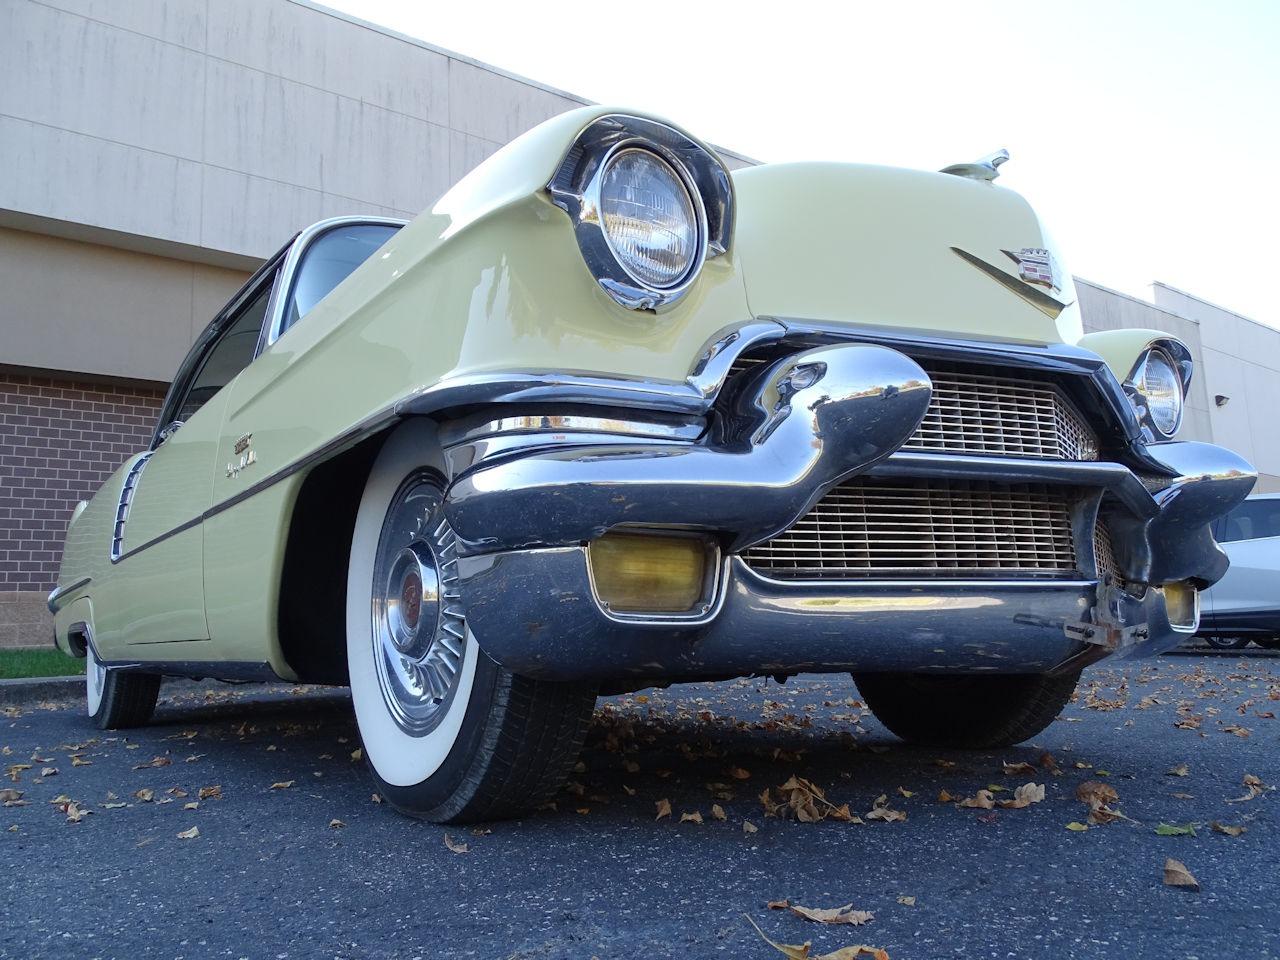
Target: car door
(160, 555)
(274, 416)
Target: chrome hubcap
(419, 632)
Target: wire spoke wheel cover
(419, 632)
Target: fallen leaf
(335, 823)
(717, 812)
(739, 774)
(357, 754)
(189, 834)
(1181, 770)
(146, 795)
(1255, 787)
(1241, 732)
(193, 805)
(907, 901)
(113, 806)
(1050, 764)
(801, 952)
(1020, 767)
(902, 791)
(982, 800)
(176, 792)
(8, 794)
(664, 809)
(75, 813)
(49, 772)
(154, 762)
(845, 914)
(1077, 826)
(1229, 830)
(1176, 829)
(749, 827)
(695, 817)
(454, 845)
(778, 904)
(1024, 796)
(881, 811)
(944, 797)
(79, 761)
(282, 784)
(1176, 874)
(376, 798)
(210, 793)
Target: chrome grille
(1104, 558)
(974, 410)
(952, 528)
(980, 409)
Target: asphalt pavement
(295, 858)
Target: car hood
(880, 246)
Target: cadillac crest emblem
(1037, 265)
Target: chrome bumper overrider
(785, 434)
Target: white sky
(1147, 134)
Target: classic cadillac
(608, 416)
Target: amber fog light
(1182, 604)
(650, 573)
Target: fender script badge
(244, 449)
(1032, 262)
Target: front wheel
(449, 735)
(967, 712)
(117, 699)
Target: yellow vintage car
(608, 416)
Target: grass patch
(38, 663)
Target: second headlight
(650, 218)
(1159, 389)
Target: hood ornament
(985, 169)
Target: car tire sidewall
(418, 773)
(96, 679)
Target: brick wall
(59, 440)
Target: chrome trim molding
(575, 188)
(58, 595)
(127, 490)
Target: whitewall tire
(115, 699)
(448, 734)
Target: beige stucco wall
(88, 308)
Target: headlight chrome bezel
(1178, 358)
(575, 188)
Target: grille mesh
(975, 411)
(1104, 557)
(948, 527)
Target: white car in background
(1245, 604)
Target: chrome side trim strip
(58, 595)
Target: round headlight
(1161, 388)
(649, 218)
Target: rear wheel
(449, 734)
(969, 712)
(116, 699)
(1228, 643)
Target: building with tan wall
(152, 153)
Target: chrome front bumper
(790, 431)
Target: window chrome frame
(292, 262)
(575, 188)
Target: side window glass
(232, 353)
(327, 262)
(1251, 520)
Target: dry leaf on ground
(845, 914)
(211, 793)
(982, 800)
(1020, 767)
(695, 817)
(335, 823)
(801, 951)
(1181, 770)
(907, 901)
(282, 784)
(717, 812)
(1229, 830)
(454, 845)
(664, 809)
(1255, 787)
(1024, 796)
(189, 834)
(145, 795)
(1176, 874)
(880, 810)
(749, 827)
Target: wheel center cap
(412, 600)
